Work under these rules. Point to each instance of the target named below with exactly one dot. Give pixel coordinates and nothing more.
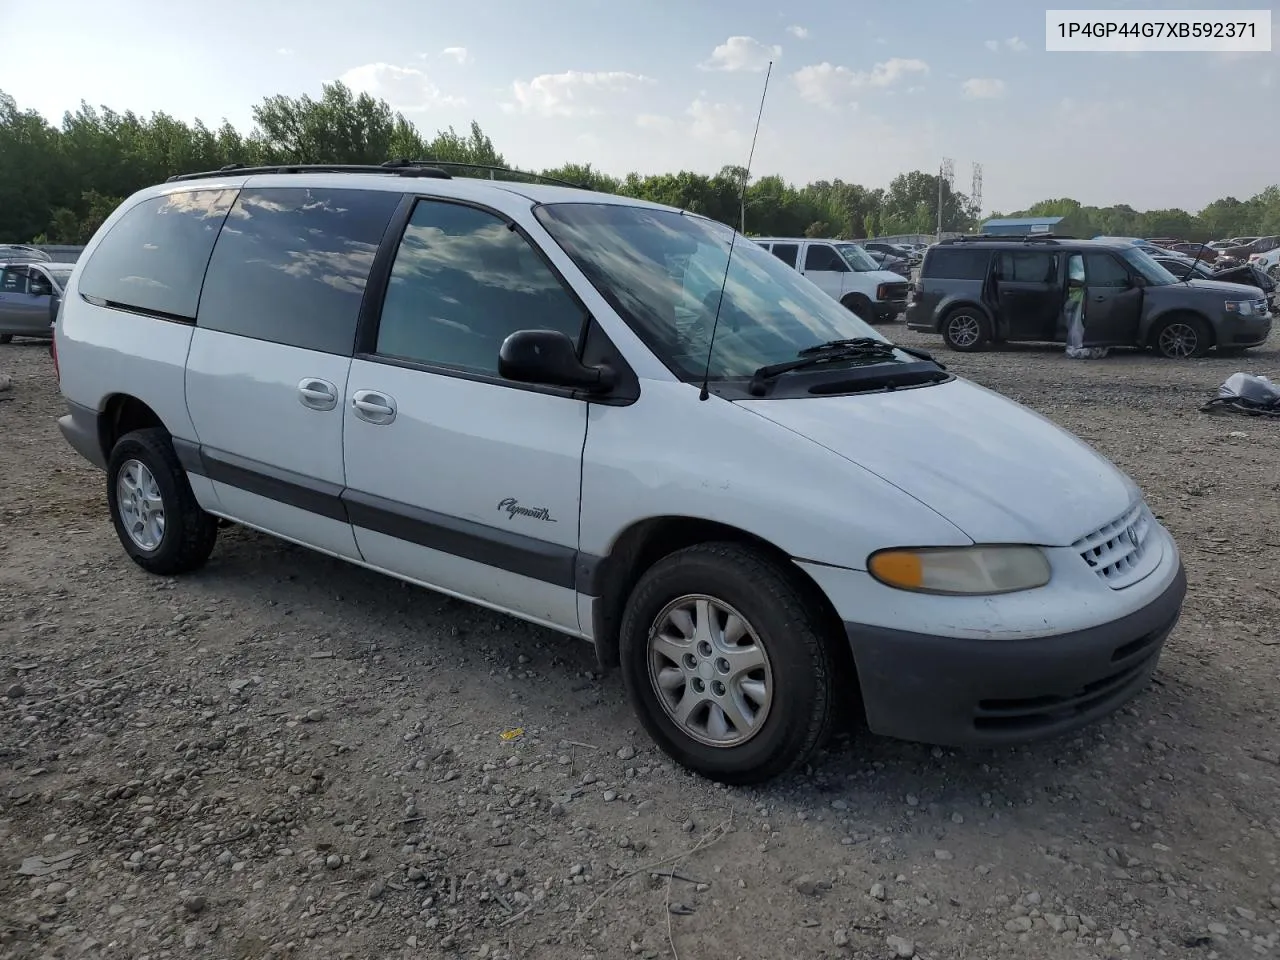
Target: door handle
(373, 407)
(1099, 299)
(317, 394)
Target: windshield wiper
(857, 348)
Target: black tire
(861, 307)
(6, 338)
(1183, 336)
(189, 533)
(791, 633)
(965, 330)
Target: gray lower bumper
(79, 425)
(989, 692)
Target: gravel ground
(287, 756)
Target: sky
(859, 90)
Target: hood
(997, 470)
(883, 276)
(1229, 291)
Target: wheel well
(123, 414)
(645, 543)
(1164, 318)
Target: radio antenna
(742, 204)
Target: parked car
(974, 292)
(891, 263)
(845, 272)
(13, 252)
(30, 293)
(480, 387)
(1247, 274)
(1268, 263)
(1244, 251)
(891, 250)
(1200, 251)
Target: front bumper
(1236, 331)
(888, 309)
(987, 692)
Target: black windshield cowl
(883, 379)
(835, 351)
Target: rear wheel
(1182, 337)
(966, 330)
(156, 516)
(726, 663)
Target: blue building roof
(1024, 222)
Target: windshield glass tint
(1150, 270)
(856, 257)
(662, 271)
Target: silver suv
(30, 294)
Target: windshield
(662, 271)
(1147, 267)
(856, 257)
(60, 275)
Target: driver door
(24, 301)
(825, 267)
(1112, 302)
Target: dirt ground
(287, 756)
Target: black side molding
(513, 552)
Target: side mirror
(1137, 280)
(549, 357)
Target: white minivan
(534, 398)
(845, 272)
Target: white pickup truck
(845, 272)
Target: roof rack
(493, 168)
(403, 168)
(1006, 238)
(400, 167)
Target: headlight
(961, 571)
(1242, 307)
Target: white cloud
(459, 54)
(983, 88)
(405, 88)
(831, 86)
(741, 53)
(1016, 44)
(799, 32)
(704, 120)
(572, 93)
(285, 51)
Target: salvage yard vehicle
(480, 387)
(845, 272)
(30, 293)
(978, 291)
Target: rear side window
(154, 257)
(13, 280)
(953, 263)
(291, 265)
(787, 252)
(1027, 267)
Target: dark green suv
(978, 290)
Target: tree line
(58, 183)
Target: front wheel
(1182, 337)
(156, 516)
(727, 664)
(965, 330)
(861, 307)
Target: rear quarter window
(292, 263)
(951, 263)
(153, 258)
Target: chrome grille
(1119, 553)
(1260, 306)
